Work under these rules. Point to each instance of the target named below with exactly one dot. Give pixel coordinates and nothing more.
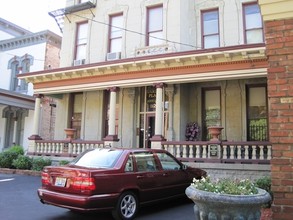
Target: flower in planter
(226, 186)
(192, 131)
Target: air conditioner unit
(78, 62)
(113, 56)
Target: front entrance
(147, 130)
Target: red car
(116, 179)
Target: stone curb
(21, 172)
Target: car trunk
(65, 179)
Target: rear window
(98, 158)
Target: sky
(32, 14)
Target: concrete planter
(213, 206)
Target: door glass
(145, 162)
(211, 111)
(257, 114)
(77, 114)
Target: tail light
(83, 183)
(45, 178)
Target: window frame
(245, 29)
(110, 37)
(77, 44)
(248, 117)
(203, 35)
(148, 31)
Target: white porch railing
(65, 148)
(222, 152)
(192, 151)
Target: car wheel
(126, 207)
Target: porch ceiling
(182, 67)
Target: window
(257, 118)
(167, 162)
(19, 65)
(154, 26)
(252, 24)
(81, 41)
(77, 103)
(115, 33)
(211, 110)
(210, 29)
(145, 162)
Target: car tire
(126, 207)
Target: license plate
(60, 181)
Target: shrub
(7, 156)
(39, 163)
(265, 183)
(22, 162)
(63, 162)
(17, 149)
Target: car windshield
(98, 158)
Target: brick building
(278, 20)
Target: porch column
(170, 94)
(159, 115)
(37, 114)
(112, 113)
(14, 130)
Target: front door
(150, 129)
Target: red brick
(276, 161)
(275, 23)
(277, 70)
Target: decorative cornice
(157, 63)
(31, 39)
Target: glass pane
(151, 99)
(81, 52)
(210, 22)
(116, 45)
(117, 24)
(253, 21)
(82, 33)
(254, 36)
(211, 41)
(155, 19)
(212, 108)
(155, 38)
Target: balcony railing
(187, 151)
(221, 152)
(64, 148)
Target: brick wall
(279, 40)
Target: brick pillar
(279, 44)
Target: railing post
(232, 152)
(246, 152)
(261, 154)
(269, 152)
(224, 151)
(253, 152)
(197, 148)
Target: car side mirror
(184, 167)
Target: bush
(22, 162)
(265, 183)
(7, 156)
(39, 163)
(63, 162)
(17, 149)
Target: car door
(147, 176)
(174, 177)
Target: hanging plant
(192, 131)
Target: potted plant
(226, 199)
(192, 131)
